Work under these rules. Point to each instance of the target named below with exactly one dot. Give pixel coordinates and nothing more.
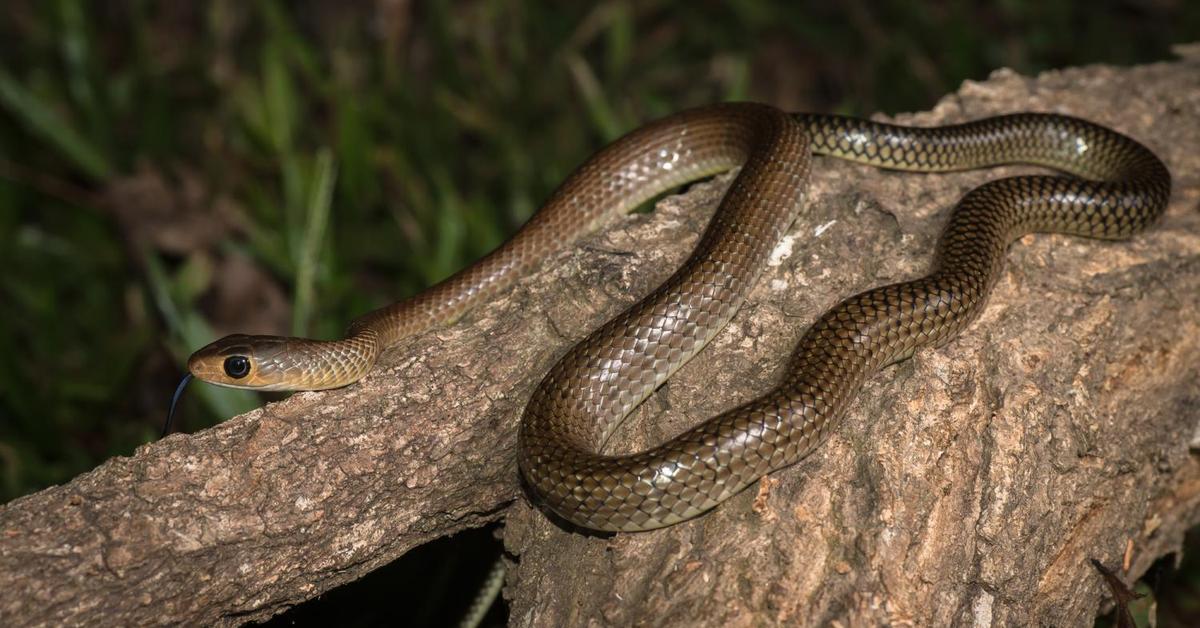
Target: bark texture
(968, 485)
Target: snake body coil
(1122, 188)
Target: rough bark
(1055, 429)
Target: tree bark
(968, 485)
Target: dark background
(174, 171)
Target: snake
(1107, 186)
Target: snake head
(238, 361)
(280, 363)
(242, 361)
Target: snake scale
(1119, 188)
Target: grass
(170, 172)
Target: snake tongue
(175, 401)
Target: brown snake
(1121, 188)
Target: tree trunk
(969, 485)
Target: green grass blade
(601, 112)
(316, 220)
(77, 54)
(42, 120)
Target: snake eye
(237, 366)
